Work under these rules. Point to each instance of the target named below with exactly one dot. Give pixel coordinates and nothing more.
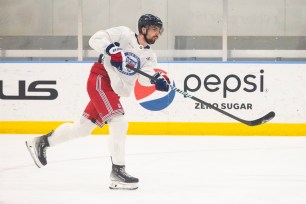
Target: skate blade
(33, 155)
(116, 185)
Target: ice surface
(178, 170)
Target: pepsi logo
(150, 98)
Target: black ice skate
(37, 148)
(121, 180)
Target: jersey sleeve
(101, 39)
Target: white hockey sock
(117, 134)
(69, 131)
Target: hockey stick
(258, 121)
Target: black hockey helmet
(147, 20)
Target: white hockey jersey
(141, 57)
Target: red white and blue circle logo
(150, 98)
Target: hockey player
(109, 79)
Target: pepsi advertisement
(56, 91)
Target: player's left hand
(117, 55)
(161, 84)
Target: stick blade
(262, 120)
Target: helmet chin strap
(145, 36)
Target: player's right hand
(116, 54)
(161, 84)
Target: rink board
(37, 97)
